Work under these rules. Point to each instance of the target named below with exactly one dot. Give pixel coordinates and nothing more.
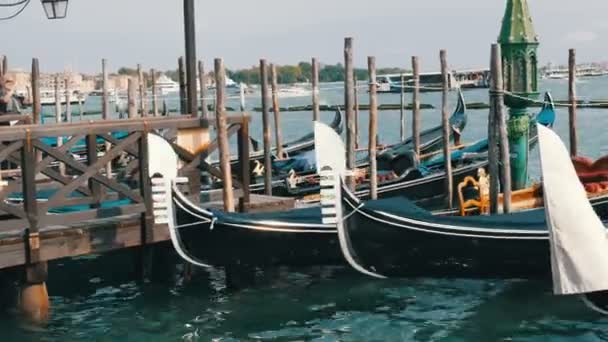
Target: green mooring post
(519, 45)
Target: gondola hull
(394, 238)
(294, 238)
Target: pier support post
(572, 100)
(276, 111)
(373, 127)
(33, 296)
(349, 95)
(315, 89)
(222, 134)
(416, 105)
(445, 123)
(266, 129)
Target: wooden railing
(70, 180)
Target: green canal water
(97, 298)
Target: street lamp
(55, 9)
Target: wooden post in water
(498, 138)
(402, 109)
(68, 101)
(266, 129)
(572, 99)
(416, 105)
(315, 89)
(373, 128)
(105, 103)
(182, 85)
(36, 106)
(154, 95)
(58, 118)
(276, 111)
(1, 66)
(140, 89)
(349, 94)
(222, 134)
(131, 102)
(356, 113)
(449, 186)
(80, 107)
(243, 147)
(105, 107)
(203, 92)
(242, 96)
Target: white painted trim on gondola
(430, 225)
(592, 305)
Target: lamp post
(190, 38)
(55, 9)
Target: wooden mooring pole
(105, 107)
(449, 188)
(58, 118)
(105, 103)
(140, 87)
(315, 89)
(182, 85)
(131, 99)
(203, 92)
(222, 134)
(266, 128)
(349, 94)
(373, 127)
(498, 152)
(276, 111)
(154, 93)
(572, 99)
(36, 105)
(68, 101)
(402, 109)
(356, 113)
(416, 105)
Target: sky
(150, 32)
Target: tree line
(286, 74)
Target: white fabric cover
(329, 149)
(578, 242)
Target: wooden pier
(99, 168)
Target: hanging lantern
(55, 9)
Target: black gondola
(426, 181)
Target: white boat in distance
(165, 85)
(47, 97)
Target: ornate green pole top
(519, 45)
